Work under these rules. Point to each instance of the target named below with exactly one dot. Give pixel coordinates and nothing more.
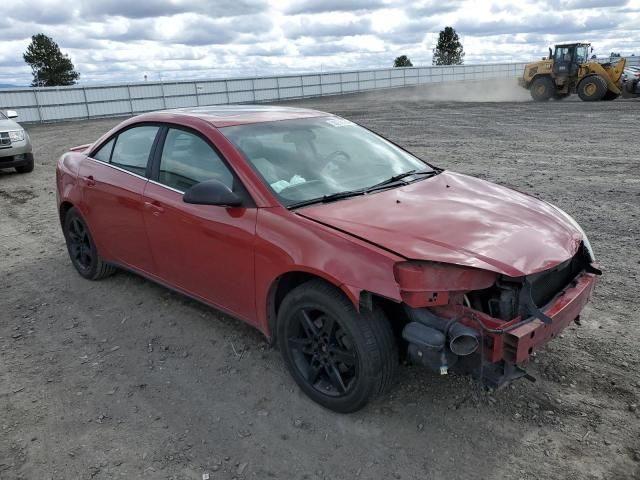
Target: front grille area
(5, 141)
(502, 300)
(546, 285)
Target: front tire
(82, 249)
(592, 88)
(29, 166)
(340, 358)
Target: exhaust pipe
(463, 340)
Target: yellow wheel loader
(568, 70)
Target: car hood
(454, 218)
(6, 125)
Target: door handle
(90, 181)
(155, 207)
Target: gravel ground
(125, 379)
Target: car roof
(229, 115)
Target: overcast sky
(122, 40)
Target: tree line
(448, 50)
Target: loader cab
(567, 58)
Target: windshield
(312, 158)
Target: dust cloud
(494, 90)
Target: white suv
(15, 144)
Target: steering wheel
(298, 186)
(334, 156)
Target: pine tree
(50, 67)
(449, 50)
(402, 61)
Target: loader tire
(592, 88)
(631, 89)
(542, 89)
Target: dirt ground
(125, 379)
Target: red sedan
(345, 249)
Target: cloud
(162, 8)
(432, 7)
(549, 23)
(410, 32)
(586, 4)
(41, 12)
(326, 49)
(120, 40)
(320, 6)
(309, 28)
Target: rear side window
(133, 147)
(104, 154)
(187, 159)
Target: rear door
(204, 250)
(113, 183)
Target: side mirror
(211, 192)
(12, 114)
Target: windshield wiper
(400, 176)
(329, 198)
(363, 191)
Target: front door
(204, 250)
(114, 181)
(564, 62)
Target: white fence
(94, 101)
(51, 104)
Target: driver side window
(187, 159)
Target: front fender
(287, 242)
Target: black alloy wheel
(323, 352)
(81, 247)
(340, 357)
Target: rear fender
(68, 189)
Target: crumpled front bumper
(514, 341)
(521, 342)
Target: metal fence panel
(145, 91)
(311, 91)
(211, 87)
(147, 104)
(87, 101)
(17, 98)
(104, 109)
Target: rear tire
(82, 249)
(339, 357)
(29, 166)
(542, 89)
(592, 88)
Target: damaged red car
(343, 248)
